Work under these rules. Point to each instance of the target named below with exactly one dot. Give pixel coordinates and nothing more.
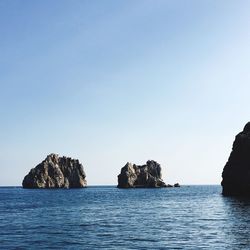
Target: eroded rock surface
(148, 175)
(56, 172)
(236, 173)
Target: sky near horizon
(110, 82)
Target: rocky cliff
(236, 173)
(56, 172)
(148, 175)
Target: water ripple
(194, 217)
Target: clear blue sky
(115, 81)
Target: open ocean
(104, 217)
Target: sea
(105, 217)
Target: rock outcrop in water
(56, 172)
(236, 173)
(148, 176)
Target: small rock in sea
(56, 172)
(236, 173)
(176, 185)
(145, 176)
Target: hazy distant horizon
(110, 82)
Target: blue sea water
(104, 217)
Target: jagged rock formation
(56, 172)
(236, 173)
(148, 175)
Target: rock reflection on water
(237, 223)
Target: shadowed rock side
(56, 172)
(148, 175)
(236, 173)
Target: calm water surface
(190, 217)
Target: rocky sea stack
(145, 176)
(56, 172)
(236, 173)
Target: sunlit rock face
(146, 176)
(236, 173)
(56, 172)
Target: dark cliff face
(56, 172)
(236, 173)
(148, 175)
